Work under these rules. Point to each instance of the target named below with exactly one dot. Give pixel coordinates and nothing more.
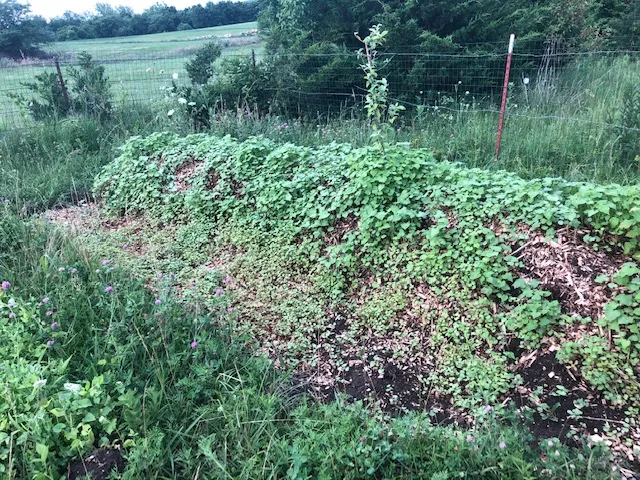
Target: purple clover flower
(12, 315)
(230, 309)
(105, 262)
(158, 301)
(6, 285)
(194, 345)
(109, 289)
(502, 445)
(54, 325)
(219, 291)
(228, 279)
(50, 342)
(74, 270)
(45, 300)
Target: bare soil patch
(97, 466)
(337, 232)
(185, 173)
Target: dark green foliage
(90, 90)
(453, 43)
(200, 68)
(21, 34)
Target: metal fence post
(65, 94)
(505, 89)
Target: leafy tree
(162, 18)
(21, 34)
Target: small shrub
(45, 99)
(90, 89)
(200, 68)
(89, 94)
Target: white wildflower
(175, 76)
(71, 387)
(170, 113)
(182, 101)
(526, 81)
(40, 383)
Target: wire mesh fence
(545, 85)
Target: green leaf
(43, 452)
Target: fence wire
(585, 87)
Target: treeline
(111, 21)
(425, 25)
(312, 43)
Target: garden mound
(393, 277)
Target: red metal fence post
(505, 89)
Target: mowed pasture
(139, 67)
(166, 43)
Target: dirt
(568, 267)
(184, 173)
(338, 231)
(213, 178)
(98, 465)
(545, 370)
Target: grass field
(138, 66)
(146, 45)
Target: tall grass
(54, 163)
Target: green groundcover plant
(409, 218)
